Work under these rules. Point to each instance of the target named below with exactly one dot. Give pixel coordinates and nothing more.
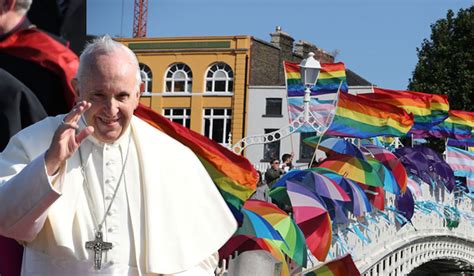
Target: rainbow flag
(459, 125)
(343, 266)
(428, 109)
(330, 77)
(461, 161)
(359, 117)
(233, 174)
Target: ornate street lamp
(310, 69)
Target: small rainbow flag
(459, 125)
(233, 174)
(330, 77)
(343, 266)
(359, 117)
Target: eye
(122, 97)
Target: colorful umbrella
(389, 182)
(242, 243)
(323, 186)
(376, 195)
(312, 218)
(392, 163)
(353, 168)
(295, 246)
(254, 225)
(336, 146)
(359, 203)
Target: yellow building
(200, 82)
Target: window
(273, 107)
(217, 124)
(271, 150)
(179, 115)
(220, 78)
(147, 76)
(179, 78)
(306, 152)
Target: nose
(111, 107)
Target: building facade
(227, 87)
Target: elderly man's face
(112, 90)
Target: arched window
(179, 78)
(147, 77)
(220, 78)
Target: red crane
(140, 15)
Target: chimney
(303, 48)
(283, 41)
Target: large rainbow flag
(459, 125)
(467, 120)
(428, 109)
(359, 117)
(233, 174)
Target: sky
(377, 39)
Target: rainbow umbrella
(389, 182)
(359, 203)
(255, 225)
(334, 145)
(392, 163)
(242, 243)
(295, 246)
(376, 195)
(353, 168)
(323, 186)
(312, 218)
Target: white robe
(183, 218)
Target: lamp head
(310, 69)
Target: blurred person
(273, 173)
(286, 162)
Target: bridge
(394, 250)
(430, 245)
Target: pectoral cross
(98, 245)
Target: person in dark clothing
(39, 60)
(273, 173)
(19, 107)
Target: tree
(446, 61)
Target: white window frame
(187, 80)
(147, 78)
(219, 67)
(227, 116)
(186, 115)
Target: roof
(355, 80)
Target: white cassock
(167, 218)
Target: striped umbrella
(359, 203)
(255, 225)
(295, 245)
(392, 163)
(333, 145)
(312, 218)
(353, 168)
(389, 182)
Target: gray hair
(22, 6)
(102, 46)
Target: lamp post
(310, 69)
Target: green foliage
(446, 60)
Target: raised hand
(65, 140)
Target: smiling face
(111, 87)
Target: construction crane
(140, 15)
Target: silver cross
(98, 245)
